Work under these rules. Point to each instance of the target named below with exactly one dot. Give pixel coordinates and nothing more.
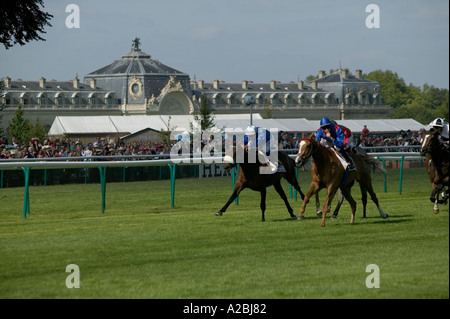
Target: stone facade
(139, 85)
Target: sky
(236, 40)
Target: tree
(22, 21)
(204, 116)
(393, 88)
(19, 126)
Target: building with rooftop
(137, 84)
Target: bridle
(301, 158)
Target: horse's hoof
(385, 216)
(319, 215)
(300, 217)
(333, 217)
(219, 213)
(436, 211)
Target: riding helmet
(438, 122)
(325, 121)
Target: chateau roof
(135, 62)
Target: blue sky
(235, 40)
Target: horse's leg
(339, 204)
(348, 196)
(363, 198)
(329, 198)
(368, 187)
(435, 195)
(318, 209)
(290, 177)
(262, 204)
(314, 188)
(281, 192)
(238, 187)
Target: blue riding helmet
(325, 121)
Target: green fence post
(172, 168)
(401, 176)
(234, 173)
(103, 186)
(26, 197)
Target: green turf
(142, 248)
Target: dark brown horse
(250, 177)
(437, 167)
(328, 172)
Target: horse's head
(429, 142)
(305, 150)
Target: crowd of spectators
(54, 147)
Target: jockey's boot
(351, 166)
(266, 162)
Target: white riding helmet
(251, 130)
(438, 122)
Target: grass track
(142, 248)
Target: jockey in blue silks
(264, 143)
(334, 134)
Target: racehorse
(328, 172)
(249, 177)
(371, 167)
(436, 157)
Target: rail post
(26, 196)
(172, 184)
(103, 186)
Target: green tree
(22, 21)
(393, 88)
(204, 116)
(19, 126)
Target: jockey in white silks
(264, 142)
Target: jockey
(340, 137)
(442, 127)
(264, 141)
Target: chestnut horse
(250, 177)
(328, 172)
(436, 156)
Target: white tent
(123, 125)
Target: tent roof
(132, 124)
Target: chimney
(200, 84)
(42, 82)
(344, 73)
(7, 82)
(300, 84)
(272, 84)
(93, 83)
(358, 74)
(245, 85)
(216, 84)
(314, 84)
(76, 81)
(321, 74)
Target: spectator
(365, 131)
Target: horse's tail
(374, 164)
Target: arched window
(60, 99)
(260, 99)
(42, 99)
(25, 99)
